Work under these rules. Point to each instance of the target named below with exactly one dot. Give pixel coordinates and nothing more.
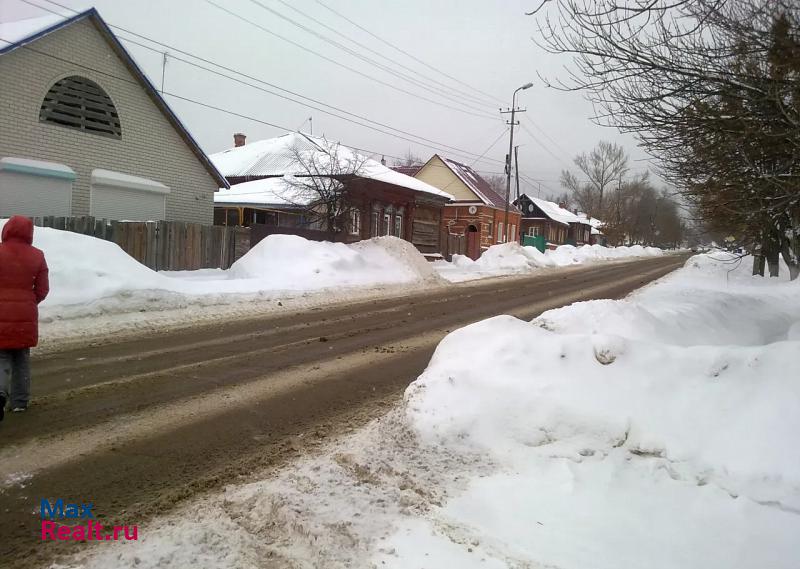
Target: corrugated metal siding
(31, 195)
(107, 202)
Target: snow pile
(546, 445)
(91, 277)
(514, 259)
(570, 255)
(659, 438)
(288, 262)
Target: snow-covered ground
(656, 431)
(514, 259)
(98, 289)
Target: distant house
(84, 132)
(478, 212)
(384, 202)
(558, 225)
(597, 236)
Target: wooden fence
(163, 245)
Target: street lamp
(508, 157)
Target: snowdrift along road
(608, 434)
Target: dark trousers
(15, 376)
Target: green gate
(539, 242)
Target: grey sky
(484, 44)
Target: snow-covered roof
(267, 191)
(555, 212)
(278, 157)
(593, 221)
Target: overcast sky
(485, 46)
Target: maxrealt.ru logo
(52, 513)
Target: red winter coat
(23, 285)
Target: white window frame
(355, 222)
(398, 225)
(387, 224)
(499, 232)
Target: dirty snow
(547, 444)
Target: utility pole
(516, 170)
(163, 71)
(513, 112)
(311, 126)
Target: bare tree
(711, 88)
(409, 159)
(607, 164)
(322, 185)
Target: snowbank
(600, 435)
(648, 431)
(514, 259)
(92, 277)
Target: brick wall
(150, 147)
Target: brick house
(477, 213)
(558, 225)
(383, 202)
(84, 132)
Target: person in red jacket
(23, 285)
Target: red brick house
(383, 202)
(477, 213)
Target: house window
(499, 232)
(355, 222)
(376, 224)
(387, 223)
(534, 231)
(79, 103)
(398, 225)
(513, 233)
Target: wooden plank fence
(163, 245)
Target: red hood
(18, 228)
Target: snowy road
(138, 426)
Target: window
(387, 224)
(499, 232)
(398, 226)
(355, 222)
(376, 224)
(534, 231)
(79, 103)
(513, 233)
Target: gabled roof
(476, 183)
(555, 212)
(23, 32)
(278, 157)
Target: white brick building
(83, 132)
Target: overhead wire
(437, 145)
(404, 52)
(465, 100)
(344, 66)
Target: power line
(190, 100)
(342, 65)
(436, 145)
(491, 97)
(466, 100)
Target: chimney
(575, 210)
(562, 205)
(238, 139)
(383, 160)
